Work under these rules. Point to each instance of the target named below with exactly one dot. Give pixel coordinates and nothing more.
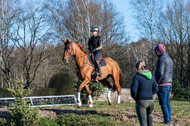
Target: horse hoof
(109, 102)
(117, 104)
(90, 105)
(79, 104)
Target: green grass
(47, 122)
(104, 115)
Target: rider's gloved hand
(93, 50)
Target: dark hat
(159, 49)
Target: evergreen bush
(22, 114)
(179, 92)
(47, 122)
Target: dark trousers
(144, 110)
(97, 54)
(164, 101)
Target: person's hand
(93, 50)
(90, 53)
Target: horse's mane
(82, 48)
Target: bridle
(72, 50)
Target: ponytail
(140, 65)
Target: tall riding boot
(98, 72)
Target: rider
(95, 47)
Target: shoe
(168, 124)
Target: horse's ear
(64, 40)
(68, 41)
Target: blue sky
(124, 8)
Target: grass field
(104, 115)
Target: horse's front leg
(84, 83)
(90, 104)
(119, 93)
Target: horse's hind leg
(116, 80)
(110, 86)
(90, 105)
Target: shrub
(47, 122)
(179, 92)
(83, 120)
(62, 83)
(22, 114)
(43, 92)
(4, 93)
(3, 122)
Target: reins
(86, 63)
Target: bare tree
(30, 40)
(174, 31)
(147, 15)
(8, 13)
(73, 20)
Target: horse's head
(68, 51)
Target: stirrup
(94, 80)
(98, 74)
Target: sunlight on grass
(124, 115)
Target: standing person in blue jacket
(163, 75)
(143, 88)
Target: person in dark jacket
(143, 88)
(163, 75)
(95, 47)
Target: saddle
(100, 60)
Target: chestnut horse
(86, 69)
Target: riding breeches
(97, 54)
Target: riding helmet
(94, 29)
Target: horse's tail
(121, 78)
